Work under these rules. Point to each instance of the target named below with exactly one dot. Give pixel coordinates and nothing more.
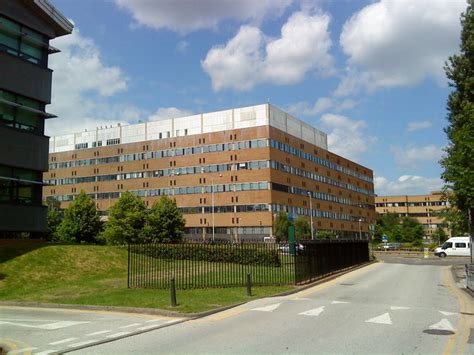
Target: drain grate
(346, 284)
(438, 332)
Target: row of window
(308, 156)
(21, 112)
(252, 165)
(412, 204)
(316, 177)
(229, 230)
(225, 209)
(167, 153)
(249, 186)
(23, 42)
(250, 144)
(303, 211)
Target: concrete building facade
(249, 163)
(423, 208)
(26, 27)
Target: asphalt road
(388, 308)
(392, 307)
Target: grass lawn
(97, 275)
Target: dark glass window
(20, 186)
(20, 117)
(23, 42)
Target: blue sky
(368, 73)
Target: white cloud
(398, 43)
(182, 46)
(82, 86)
(415, 126)
(164, 113)
(250, 58)
(413, 156)
(407, 185)
(321, 105)
(346, 136)
(185, 16)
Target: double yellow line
(466, 320)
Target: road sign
(384, 238)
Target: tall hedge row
(239, 254)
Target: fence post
(128, 267)
(249, 284)
(173, 293)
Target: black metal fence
(201, 265)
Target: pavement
(397, 306)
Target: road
(389, 307)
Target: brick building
(423, 208)
(257, 160)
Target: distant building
(258, 160)
(422, 207)
(26, 27)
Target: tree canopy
(165, 223)
(458, 163)
(81, 222)
(281, 226)
(126, 220)
(302, 228)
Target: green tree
(455, 220)
(326, 235)
(126, 220)
(81, 222)
(302, 228)
(458, 163)
(281, 226)
(440, 235)
(164, 222)
(412, 231)
(53, 217)
(388, 224)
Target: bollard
(249, 285)
(173, 293)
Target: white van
(456, 246)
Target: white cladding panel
(217, 121)
(245, 117)
(189, 124)
(133, 133)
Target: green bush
(214, 253)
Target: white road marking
(46, 352)
(29, 320)
(444, 313)
(19, 351)
(116, 335)
(82, 343)
(149, 327)
(173, 321)
(313, 312)
(49, 326)
(154, 320)
(269, 308)
(301, 299)
(62, 341)
(443, 324)
(396, 308)
(339, 302)
(130, 325)
(382, 319)
(98, 333)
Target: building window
(20, 186)
(22, 42)
(81, 146)
(21, 113)
(113, 141)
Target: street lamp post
(360, 230)
(311, 214)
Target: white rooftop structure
(244, 117)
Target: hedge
(246, 254)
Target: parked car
(389, 246)
(456, 246)
(285, 248)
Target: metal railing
(203, 265)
